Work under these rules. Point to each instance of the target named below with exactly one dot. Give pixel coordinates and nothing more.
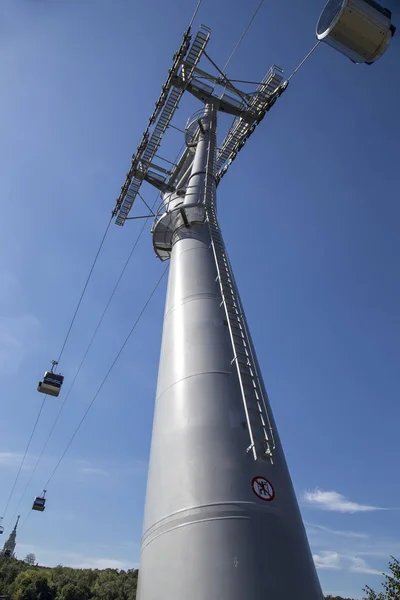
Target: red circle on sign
(263, 489)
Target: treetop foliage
(21, 581)
(391, 584)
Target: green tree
(9, 571)
(20, 581)
(329, 597)
(391, 584)
(30, 559)
(72, 592)
(33, 585)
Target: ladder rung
(250, 392)
(240, 345)
(234, 317)
(246, 369)
(228, 291)
(225, 282)
(238, 331)
(251, 385)
(240, 354)
(246, 365)
(222, 264)
(229, 295)
(225, 278)
(257, 411)
(262, 440)
(231, 306)
(247, 379)
(224, 272)
(259, 426)
(238, 337)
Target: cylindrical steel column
(196, 181)
(209, 531)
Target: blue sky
(310, 215)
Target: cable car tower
(221, 517)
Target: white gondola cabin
(51, 383)
(360, 29)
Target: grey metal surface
(206, 533)
(218, 524)
(247, 108)
(240, 127)
(359, 29)
(185, 60)
(181, 211)
(259, 424)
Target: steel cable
(103, 382)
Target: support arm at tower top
(247, 109)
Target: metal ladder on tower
(262, 441)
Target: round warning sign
(263, 489)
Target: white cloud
(358, 565)
(330, 559)
(327, 559)
(349, 551)
(10, 459)
(311, 527)
(93, 471)
(383, 547)
(330, 500)
(18, 337)
(109, 468)
(51, 558)
(79, 561)
(13, 460)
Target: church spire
(16, 524)
(9, 546)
